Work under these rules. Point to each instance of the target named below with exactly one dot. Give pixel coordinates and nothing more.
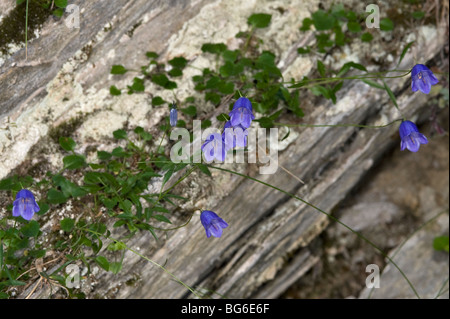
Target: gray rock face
(268, 245)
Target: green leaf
(287, 134)
(102, 155)
(67, 224)
(265, 122)
(151, 55)
(59, 12)
(175, 72)
(61, 3)
(157, 100)
(162, 218)
(223, 117)
(226, 87)
(120, 134)
(4, 295)
(373, 84)
(116, 246)
(322, 20)
(266, 62)
(31, 229)
(20, 1)
(405, 50)
(213, 97)
(114, 90)
(418, 15)
(118, 69)
(205, 124)
(441, 243)
(339, 36)
(178, 62)
(126, 206)
(215, 48)
(204, 169)
(321, 68)
(229, 55)
(162, 80)
(306, 24)
(102, 262)
(320, 90)
(143, 134)
(304, 50)
(74, 161)
(366, 37)
(259, 20)
(386, 24)
(43, 208)
(391, 94)
(138, 85)
(115, 267)
(67, 187)
(347, 66)
(55, 197)
(119, 152)
(353, 26)
(191, 110)
(198, 78)
(6, 184)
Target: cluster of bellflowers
(216, 147)
(422, 78)
(235, 135)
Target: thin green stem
(328, 215)
(144, 257)
(397, 250)
(442, 290)
(247, 41)
(181, 226)
(337, 125)
(377, 75)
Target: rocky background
(275, 246)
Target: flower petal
(411, 144)
(419, 137)
(17, 208)
(28, 211)
(243, 102)
(414, 87)
(433, 79)
(215, 229)
(402, 145)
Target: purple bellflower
(214, 148)
(25, 205)
(173, 115)
(212, 223)
(422, 78)
(410, 137)
(242, 113)
(234, 136)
